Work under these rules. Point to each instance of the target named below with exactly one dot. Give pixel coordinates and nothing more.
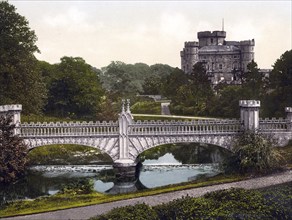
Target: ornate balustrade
(274, 125)
(66, 129)
(184, 127)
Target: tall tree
(280, 86)
(13, 152)
(20, 82)
(75, 90)
(253, 82)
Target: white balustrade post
(249, 114)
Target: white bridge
(126, 138)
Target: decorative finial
(123, 105)
(128, 106)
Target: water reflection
(159, 168)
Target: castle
(224, 60)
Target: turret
(13, 110)
(207, 38)
(249, 114)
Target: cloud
(72, 20)
(174, 25)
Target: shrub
(137, 212)
(13, 152)
(253, 153)
(83, 186)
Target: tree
(253, 82)
(153, 84)
(280, 86)
(20, 82)
(225, 103)
(75, 90)
(172, 83)
(13, 152)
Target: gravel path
(93, 210)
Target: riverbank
(93, 210)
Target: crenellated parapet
(10, 108)
(250, 103)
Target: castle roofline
(207, 34)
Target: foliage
(130, 79)
(75, 90)
(20, 80)
(66, 154)
(286, 153)
(192, 94)
(109, 109)
(269, 203)
(153, 84)
(146, 107)
(253, 153)
(253, 82)
(280, 86)
(82, 186)
(13, 152)
(137, 212)
(225, 104)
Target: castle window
(220, 66)
(211, 40)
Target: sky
(152, 31)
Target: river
(160, 166)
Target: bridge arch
(105, 145)
(70, 153)
(140, 144)
(187, 153)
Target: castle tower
(207, 38)
(189, 56)
(247, 53)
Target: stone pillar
(125, 119)
(14, 111)
(249, 114)
(288, 111)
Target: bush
(13, 151)
(235, 203)
(253, 153)
(83, 186)
(137, 212)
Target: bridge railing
(274, 125)
(68, 129)
(185, 127)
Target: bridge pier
(126, 172)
